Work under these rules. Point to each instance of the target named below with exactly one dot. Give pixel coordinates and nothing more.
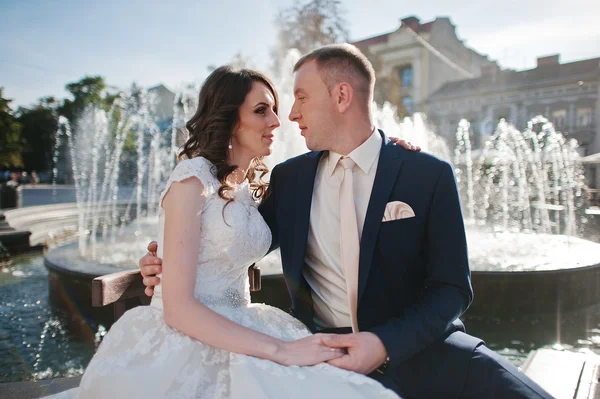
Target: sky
(46, 44)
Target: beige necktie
(350, 242)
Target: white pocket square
(397, 210)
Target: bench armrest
(116, 287)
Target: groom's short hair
(343, 63)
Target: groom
(373, 244)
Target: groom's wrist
(382, 358)
(383, 367)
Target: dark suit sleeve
(447, 293)
(268, 211)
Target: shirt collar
(364, 155)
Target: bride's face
(258, 120)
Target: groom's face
(313, 108)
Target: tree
(11, 140)
(309, 25)
(89, 90)
(239, 60)
(39, 130)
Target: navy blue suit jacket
(414, 279)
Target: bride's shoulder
(199, 167)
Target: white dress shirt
(324, 272)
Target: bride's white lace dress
(141, 357)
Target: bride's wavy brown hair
(211, 128)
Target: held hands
(365, 351)
(306, 352)
(303, 352)
(362, 352)
(150, 265)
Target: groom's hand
(150, 265)
(366, 352)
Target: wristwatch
(381, 369)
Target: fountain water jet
(522, 192)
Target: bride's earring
(230, 146)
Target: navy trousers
(447, 370)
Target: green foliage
(11, 139)
(39, 130)
(27, 137)
(88, 90)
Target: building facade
(163, 106)
(425, 67)
(416, 60)
(567, 94)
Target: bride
(201, 337)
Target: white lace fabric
(141, 357)
(233, 237)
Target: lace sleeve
(198, 167)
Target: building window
(406, 76)
(559, 117)
(407, 102)
(584, 117)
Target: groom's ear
(343, 93)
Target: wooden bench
(117, 288)
(565, 374)
(37, 389)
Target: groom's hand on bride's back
(150, 265)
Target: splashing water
(530, 181)
(522, 192)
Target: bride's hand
(406, 144)
(306, 352)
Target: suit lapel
(304, 192)
(388, 167)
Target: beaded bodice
(232, 238)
